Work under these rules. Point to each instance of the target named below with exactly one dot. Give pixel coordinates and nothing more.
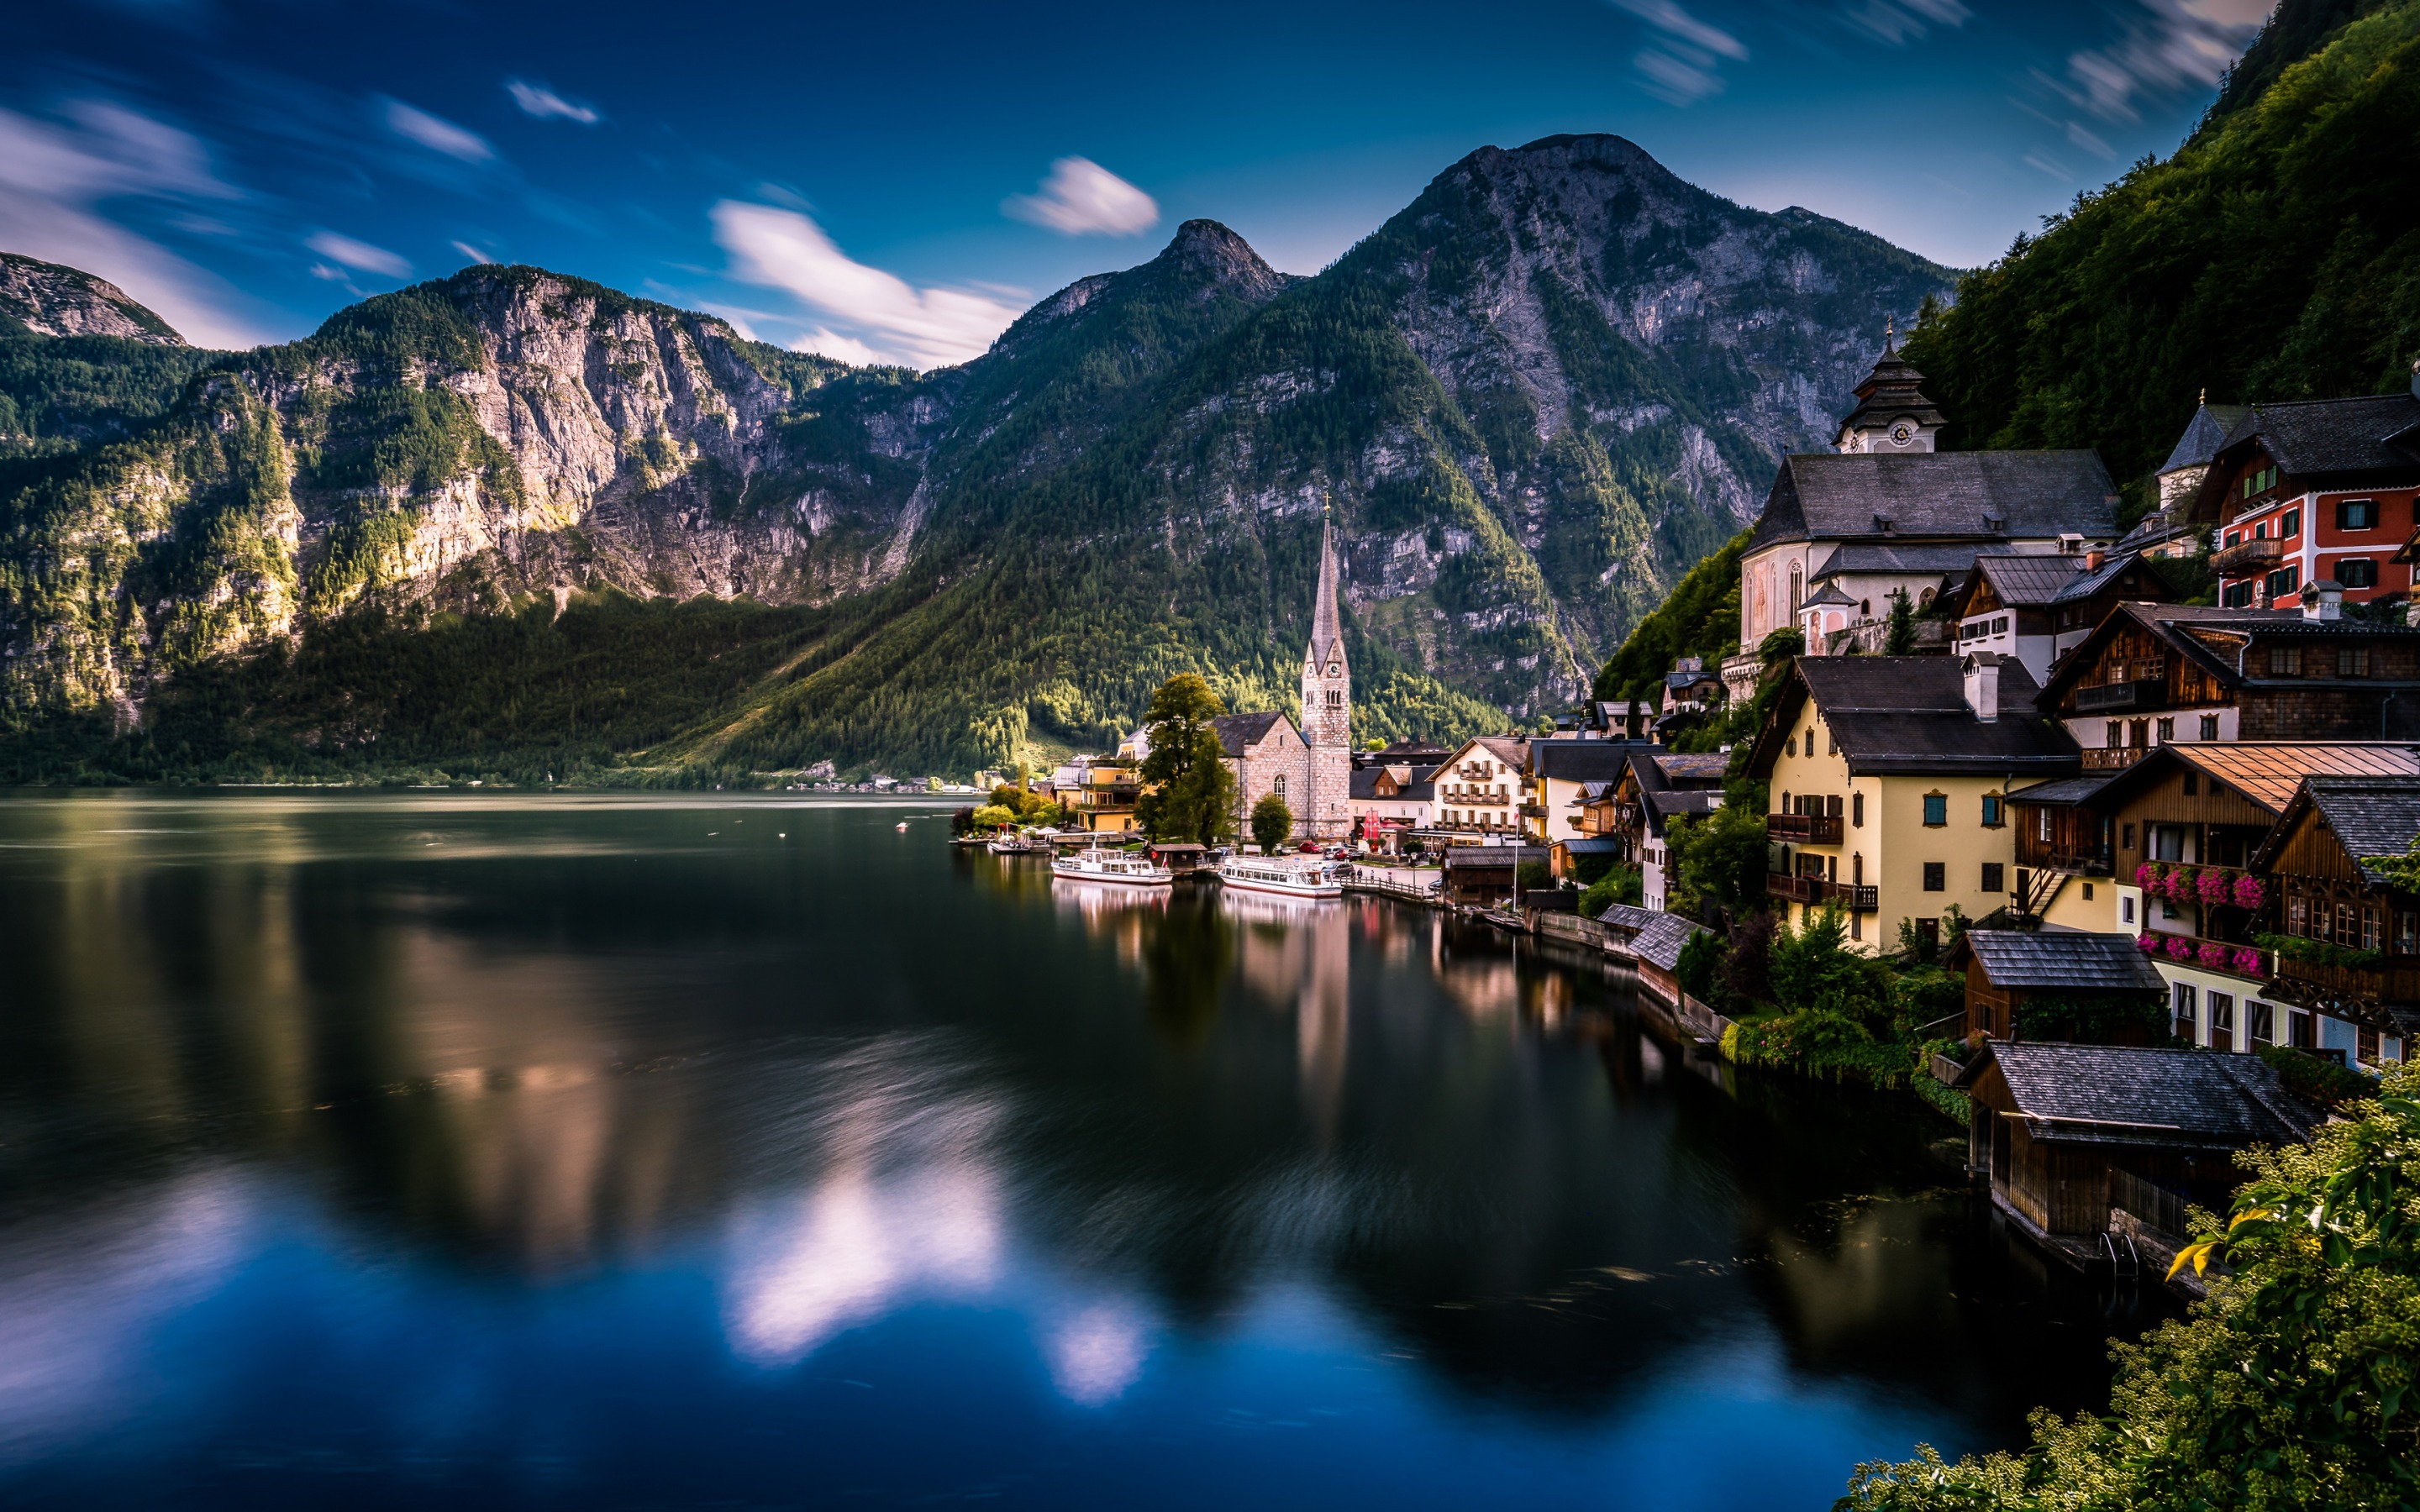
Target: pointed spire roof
(1890, 389)
(1326, 626)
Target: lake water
(467, 1151)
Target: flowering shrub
(2215, 886)
(2214, 955)
(2180, 883)
(2146, 876)
(2179, 947)
(2247, 963)
(2249, 893)
(2148, 943)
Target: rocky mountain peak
(54, 300)
(1210, 250)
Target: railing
(1802, 828)
(1370, 879)
(1861, 899)
(2147, 693)
(2245, 558)
(2394, 980)
(2113, 758)
(2099, 863)
(1533, 810)
(2256, 968)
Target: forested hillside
(2276, 255)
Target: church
(1308, 767)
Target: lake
(483, 1151)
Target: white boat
(1286, 878)
(1112, 866)
(1013, 842)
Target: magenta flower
(2146, 876)
(2247, 963)
(2180, 884)
(2214, 955)
(2179, 947)
(2147, 944)
(2215, 886)
(2249, 893)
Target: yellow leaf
(2184, 1255)
(2201, 1259)
(2248, 1217)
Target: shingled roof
(1850, 496)
(1581, 761)
(2061, 959)
(1878, 557)
(1238, 732)
(2310, 436)
(1909, 713)
(2370, 816)
(2204, 435)
(2121, 1095)
(1664, 805)
(2212, 637)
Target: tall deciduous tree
(1188, 793)
(1272, 822)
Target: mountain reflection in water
(725, 1150)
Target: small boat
(1009, 842)
(902, 824)
(1281, 875)
(1112, 866)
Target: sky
(896, 183)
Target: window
(2357, 572)
(2138, 732)
(1857, 811)
(2356, 513)
(2352, 661)
(1335, 699)
(1832, 807)
(1996, 877)
(2293, 524)
(2298, 1029)
(2041, 825)
(2344, 934)
(2125, 910)
(2285, 580)
(2088, 892)
(2237, 594)
(2369, 926)
(1276, 785)
(2210, 727)
(2234, 538)
(2117, 734)
(1936, 809)
(2184, 1012)
(1790, 745)
(2168, 731)
(2262, 1020)
(2193, 784)
(2285, 661)
(1992, 812)
(2297, 915)
(2222, 1021)
(1831, 744)
(2407, 932)
(1936, 877)
(2125, 840)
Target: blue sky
(895, 182)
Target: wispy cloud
(2163, 47)
(55, 175)
(873, 315)
(359, 255)
(1900, 21)
(1680, 59)
(472, 253)
(437, 134)
(1080, 197)
(544, 104)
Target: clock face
(1902, 433)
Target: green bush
(1617, 885)
(2319, 1082)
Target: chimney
(2323, 600)
(1983, 684)
(2094, 558)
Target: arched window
(1797, 578)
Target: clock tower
(1326, 811)
(1892, 414)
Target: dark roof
(1831, 495)
(1420, 789)
(2032, 581)
(1409, 750)
(1580, 760)
(1658, 941)
(2061, 958)
(1464, 857)
(2093, 580)
(2309, 437)
(1832, 594)
(2369, 815)
(1662, 805)
(1588, 845)
(1236, 732)
(2117, 1094)
(1512, 750)
(1689, 678)
(1909, 713)
(2067, 791)
(1891, 390)
(1875, 556)
(1627, 916)
(2204, 435)
(1691, 767)
(2212, 638)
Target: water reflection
(851, 1085)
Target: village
(1983, 805)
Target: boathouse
(2063, 972)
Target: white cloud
(1900, 22)
(2165, 47)
(472, 253)
(436, 135)
(358, 254)
(538, 101)
(1080, 198)
(867, 311)
(1679, 63)
(54, 175)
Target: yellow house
(1889, 778)
(1104, 800)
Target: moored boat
(1112, 866)
(1284, 877)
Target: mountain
(485, 520)
(2275, 255)
(53, 300)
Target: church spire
(1326, 626)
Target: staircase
(2042, 886)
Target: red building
(2314, 491)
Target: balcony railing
(1533, 810)
(1859, 899)
(1802, 828)
(2235, 960)
(2396, 979)
(2246, 558)
(2113, 758)
(2147, 693)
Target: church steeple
(1326, 811)
(1892, 414)
(1326, 626)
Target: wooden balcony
(2247, 558)
(1815, 890)
(2102, 698)
(2113, 758)
(2394, 980)
(1802, 828)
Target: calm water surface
(408, 1151)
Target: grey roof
(1464, 857)
(2032, 581)
(1891, 390)
(1591, 845)
(2090, 582)
(1832, 496)
(1580, 760)
(2372, 433)
(1662, 805)
(1831, 594)
(1626, 916)
(2067, 791)
(2061, 958)
(1909, 713)
(1658, 942)
(2204, 435)
(1877, 557)
(1327, 630)
(2117, 1094)
(1236, 732)
(2369, 815)
(1691, 766)
(1421, 789)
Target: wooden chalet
(2034, 606)
(2354, 922)
(2059, 1126)
(2007, 968)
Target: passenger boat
(1132, 871)
(1010, 843)
(1286, 878)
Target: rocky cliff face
(52, 300)
(1531, 399)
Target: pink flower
(2214, 886)
(2179, 947)
(2249, 893)
(2180, 884)
(2214, 956)
(2147, 944)
(2146, 876)
(2247, 963)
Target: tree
(992, 816)
(1813, 970)
(1898, 632)
(1187, 790)
(1272, 822)
(2290, 1386)
(1720, 861)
